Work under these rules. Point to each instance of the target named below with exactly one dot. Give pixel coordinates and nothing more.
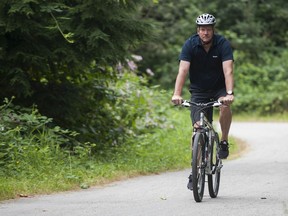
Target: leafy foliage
(175, 23)
(55, 42)
(61, 56)
(262, 88)
(33, 150)
(27, 143)
(30, 142)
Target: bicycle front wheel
(198, 168)
(215, 164)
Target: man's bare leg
(225, 121)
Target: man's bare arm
(180, 80)
(228, 74)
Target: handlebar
(187, 103)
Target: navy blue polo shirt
(206, 71)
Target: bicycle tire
(214, 178)
(198, 170)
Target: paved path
(255, 184)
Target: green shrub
(28, 144)
(261, 88)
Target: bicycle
(205, 159)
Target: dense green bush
(262, 88)
(136, 108)
(27, 142)
(60, 56)
(31, 142)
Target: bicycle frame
(207, 128)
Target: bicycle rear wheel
(214, 178)
(198, 169)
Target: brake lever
(186, 103)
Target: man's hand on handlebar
(227, 100)
(177, 99)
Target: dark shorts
(205, 97)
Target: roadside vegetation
(37, 158)
(85, 86)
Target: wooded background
(98, 67)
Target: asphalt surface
(254, 184)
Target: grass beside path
(165, 150)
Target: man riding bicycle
(208, 58)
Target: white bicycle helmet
(206, 19)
